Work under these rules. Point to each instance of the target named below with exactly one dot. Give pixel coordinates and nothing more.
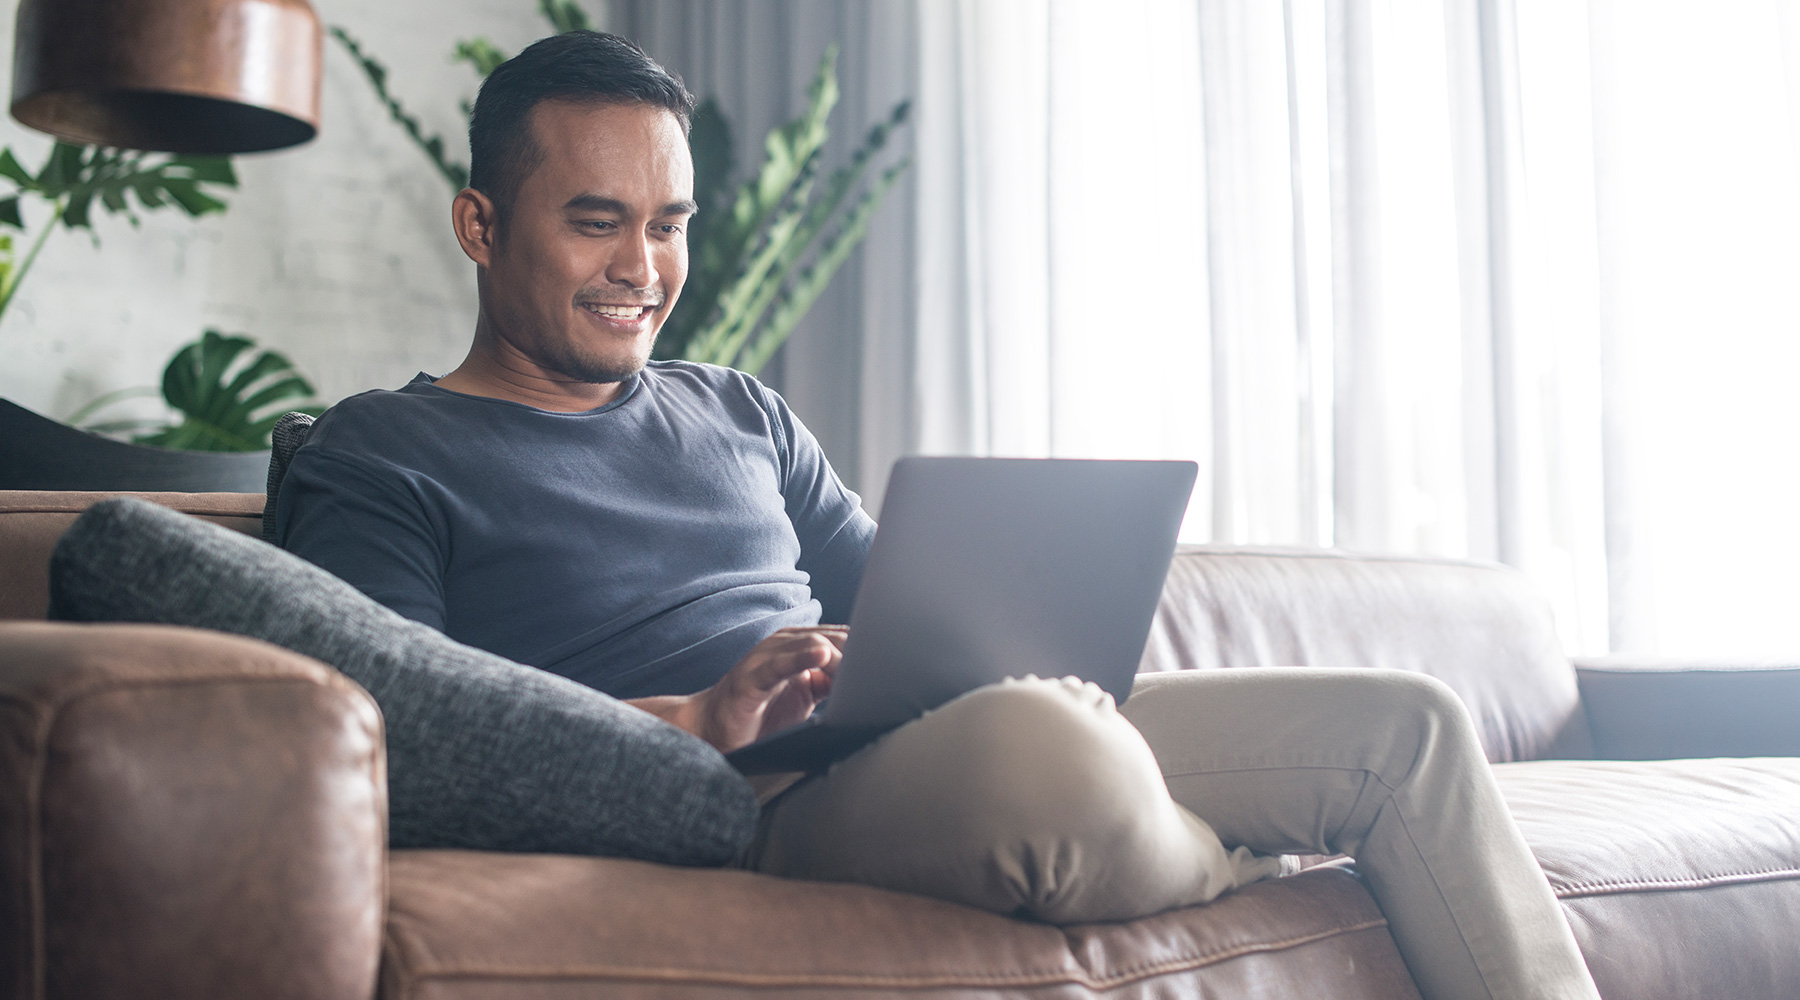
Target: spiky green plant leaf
(708, 263)
(766, 293)
(481, 54)
(565, 16)
(806, 288)
(456, 173)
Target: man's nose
(632, 263)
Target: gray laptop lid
(989, 568)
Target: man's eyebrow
(601, 203)
(595, 203)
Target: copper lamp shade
(182, 76)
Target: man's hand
(776, 685)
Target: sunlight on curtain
(1555, 299)
(1060, 167)
(1497, 279)
(1414, 356)
(1699, 238)
(1251, 234)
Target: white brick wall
(337, 253)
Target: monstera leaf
(74, 177)
(77, 179)
(225, 405)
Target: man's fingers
(780, 659)
(836, 633)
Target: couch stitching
(1600, 887)
(36, 905)
(222, 508)
(82, 690)
(1132, 973)
(938, 981)
(1337, 555)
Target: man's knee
(1047, 755)
(1035, 798)
(1069, 807)
(1425, 705)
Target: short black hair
(575, 65)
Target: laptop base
(813, 745)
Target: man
(671, 534)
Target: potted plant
(37, 452)
(226, 395)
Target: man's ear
(475, 219)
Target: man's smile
(620, 311)
(623, 318)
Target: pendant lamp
(180, 76)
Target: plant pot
(38, 453)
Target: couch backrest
(1482, 629)
(31, 521)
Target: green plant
(228, 401)
(480, 54)
(759, 258)
(76, 178)
(759, 265)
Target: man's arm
(834, 531)
(367, 529)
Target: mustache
(599, 298)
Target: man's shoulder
(369, 403)
(374, 422)
(697, 376)
(725, 389)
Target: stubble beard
(596, 370)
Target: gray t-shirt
(640, 548)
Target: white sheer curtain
(1504, 279)
(1287, 240)
(1690, 115)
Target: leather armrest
(185, 814)
(1658, 709)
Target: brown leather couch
(187, 814)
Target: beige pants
(1039, 799)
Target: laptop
(988, 568)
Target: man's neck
(497, 371)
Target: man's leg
(1032, 798)
(1035, 799)
(1383, 766)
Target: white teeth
(614, 312)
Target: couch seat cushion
(468, 924)
(1681, 878)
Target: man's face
(590, 257)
